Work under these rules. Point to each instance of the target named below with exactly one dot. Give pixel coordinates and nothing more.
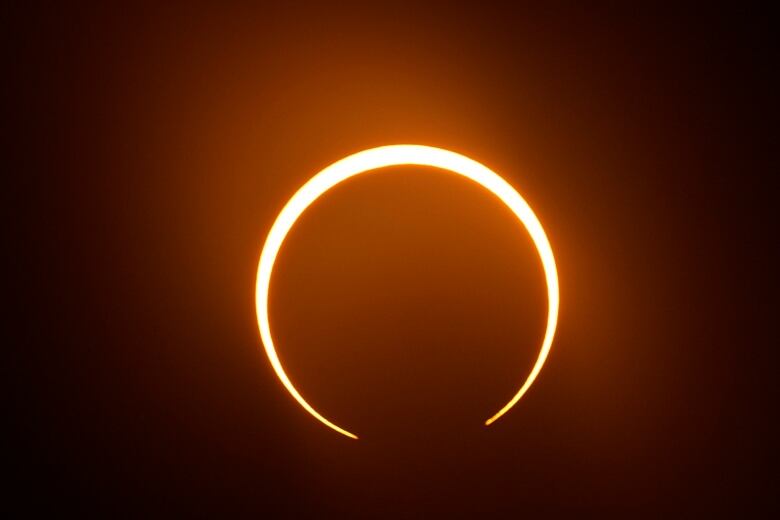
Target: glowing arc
(398, 155)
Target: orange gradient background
(405, 303)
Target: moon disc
(399, 155)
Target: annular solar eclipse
(399, 155)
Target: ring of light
(397, 155)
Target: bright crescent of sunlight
(397, 155)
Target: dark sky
(152, 147)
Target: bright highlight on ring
(398, 155)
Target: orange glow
(398, 155)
